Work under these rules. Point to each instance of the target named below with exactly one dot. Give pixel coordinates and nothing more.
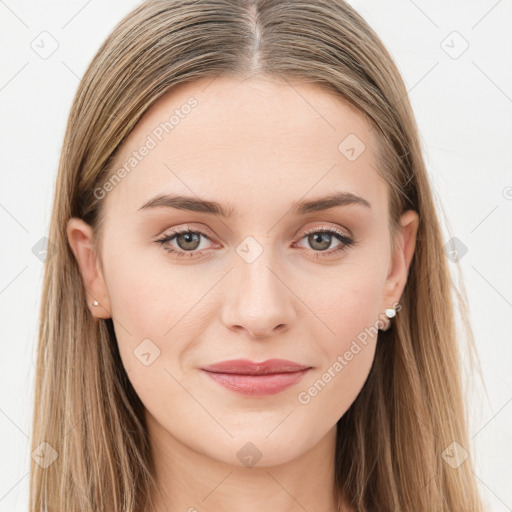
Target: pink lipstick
(256, 379)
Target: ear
(401, 259)
(81, 239)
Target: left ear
(401, 259)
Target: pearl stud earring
(390, 312)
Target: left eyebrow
(193, 204)
(328, 202)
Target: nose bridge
(256, 278)
(259, 301)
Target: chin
(260, 450)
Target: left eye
(188, 241)
(322, 238)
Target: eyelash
(347, 241)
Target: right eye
(188, 239)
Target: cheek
(348, 303)
(141, 301)
(347, 352)
(144, 297)
(349, 309)
(159, 312)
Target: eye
(187, 239)
(320, 239)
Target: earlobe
(81, 240)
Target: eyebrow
(193, 204)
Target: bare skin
(256, 145)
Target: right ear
(81, 239)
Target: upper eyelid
(185, 229)
(328, 228)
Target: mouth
(256, 379)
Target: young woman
(249, 307)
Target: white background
(464, 110)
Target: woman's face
(254, 283)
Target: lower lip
(257, 385)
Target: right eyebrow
(187, 203)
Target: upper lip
(247, 367)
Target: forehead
(251, 141)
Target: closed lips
(257, 379)
(247, 367)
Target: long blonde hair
(88, 420)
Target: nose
(259, 300)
